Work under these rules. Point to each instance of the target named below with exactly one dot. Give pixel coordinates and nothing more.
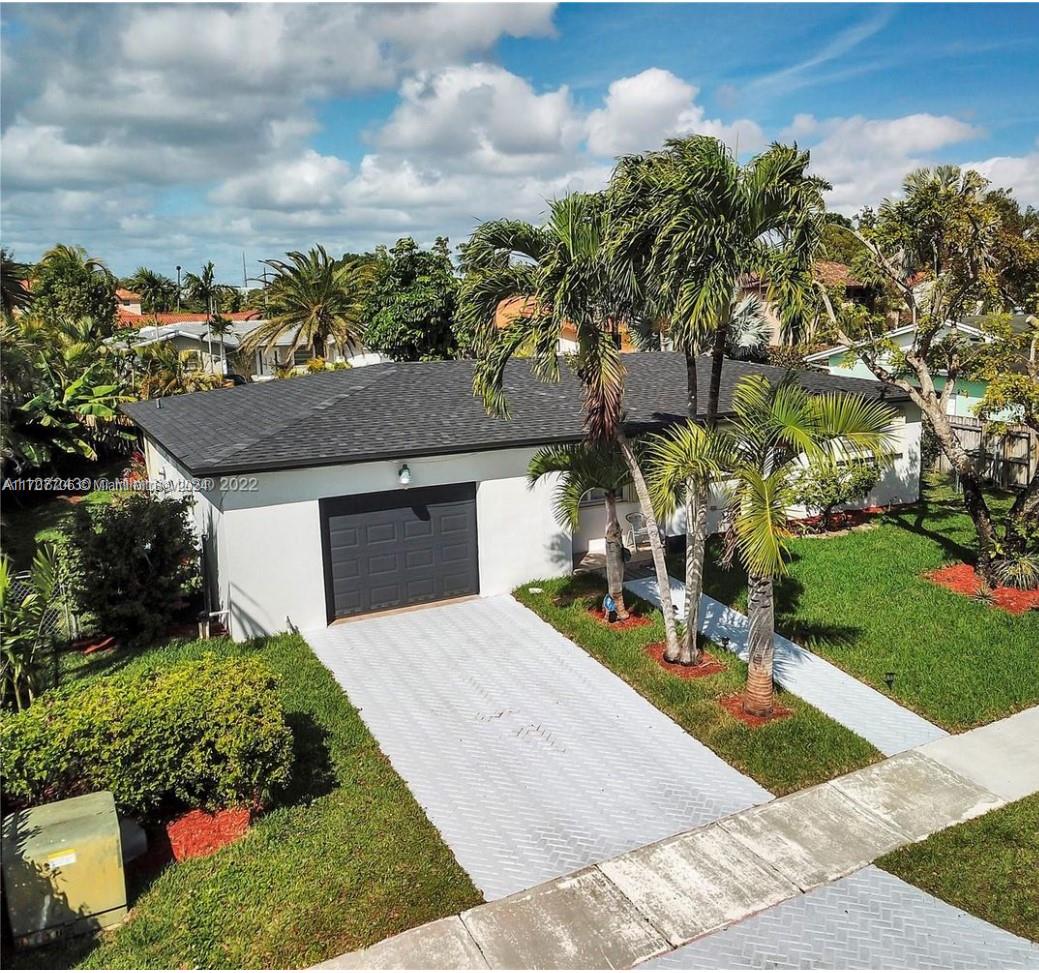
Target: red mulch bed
(733, 705)
(199, 833)
(962, 579)
(622, 625)
(88, 644)
(709, 665)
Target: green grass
(783, 756)
(988, 866)
(859, 600)
(347, 859)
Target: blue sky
(173, 134)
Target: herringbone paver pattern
(891, 728)
(531, 758)
(868, 920)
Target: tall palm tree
(691, 226)
(558, 275)
(220, 328)
(582, 467)
(158, 292)
(774, 430)
(202, 290)
(14, 293)
(316, 299)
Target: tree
(14, 294)
(691, 226)
(557, 275)
(202, 291)
(61, 393)
(160, 369)
(943, 250)
(773, 428)
(220, 328)
(823, 485)
(412, 307)
(69, 284)
(581, 468)
(315, 299)
(158, 292)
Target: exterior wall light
(404, 475)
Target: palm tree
(158, 292)
(166, 371)
(315, 299)
(202, 290)
(220, 328)
(691, 226)
(557, 275)
(14, 292)
(583, 467)
(775, 429)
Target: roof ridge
(331, 401)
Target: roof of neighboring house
(410, 409)
(124, 295)
(151, 318)
(512, 307)
(829, 272)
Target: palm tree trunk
(614, 555)
(758, 695)
(696, 551)
(667, 609)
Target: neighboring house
(968, 392)
(330, 495)
(129, 302)
(222, 355)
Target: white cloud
(310, 180)
(1021, 173)
(641, 111)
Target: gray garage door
(405, 547)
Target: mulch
(733, 705)
(198, 833)
(709, 664)
(621, 625)
(963, 580)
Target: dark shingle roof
(397, 410)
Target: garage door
(405, 547)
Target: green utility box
(63, 869)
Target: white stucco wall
(268, 530)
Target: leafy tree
(316, 299)
(555, 276)
(140, 559)
(690, 226)
(160, 369)
(69, 284)
(158, 292)
(823, 485)
(412, 307)
(14, 295)
(761, 452)
(945, 249)
(60, 394)
(581, 468)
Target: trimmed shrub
(209, 733)
(823, 486)
(137, 559)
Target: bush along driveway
(345, 858)
(803, 748)
(861, 601)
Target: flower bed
(963, 580)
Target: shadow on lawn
(930, 520)
(313, 774)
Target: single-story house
(339, 493)
(968, 393)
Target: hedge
(209, 733)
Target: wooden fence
(1009, 459)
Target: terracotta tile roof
(124, 295)
(512, 307)
(179, 317)
(832, 273)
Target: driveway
(531, 758)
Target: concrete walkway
(761, 862)
(530, 758)
(891, 728)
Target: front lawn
(783, 756)
(347, 859)
(859, 600)
(988, 866)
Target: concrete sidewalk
(890, 727)
(642, 904)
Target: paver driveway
(531, 758)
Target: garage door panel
(399, 548)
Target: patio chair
(638, 532)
